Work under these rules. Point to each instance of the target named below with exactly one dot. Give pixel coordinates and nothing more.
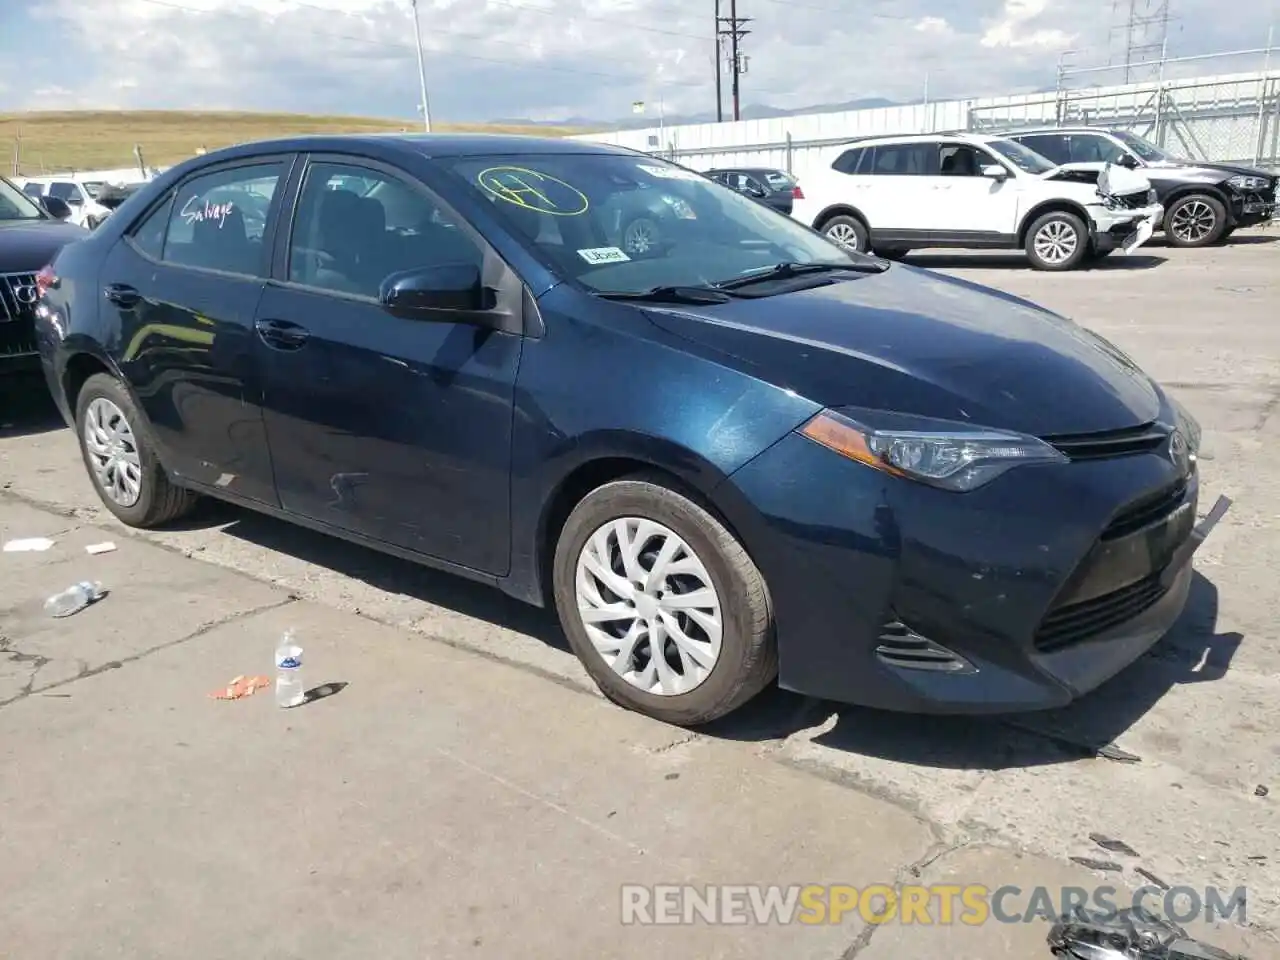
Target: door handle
(122, 295)
(281, 334)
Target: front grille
(17, 314)
(1111, 443)
(1146, 511)
(1079, 621)
(1132, 201)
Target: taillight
(797, 193)
(46, 279)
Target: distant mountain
(750, 112)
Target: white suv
(893, 194)
(80, 195)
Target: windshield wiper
(783, 271)
(670, 295)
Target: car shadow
(1190, 653)
(1016, 261)
(1251, 238)
(379, 570)
(26, 408)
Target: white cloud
(545, 59)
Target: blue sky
(550, 59)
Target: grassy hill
(97, 140)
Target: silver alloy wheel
(844, 234)
(1056, 242)
(649, 606)
(113, 452)
(640, 237)
(1193, 221)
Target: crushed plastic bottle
(289, 688)
(73, 599)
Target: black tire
(843, 224)
(1058, 221)
(160, 501)
(1196, 220)
(748, 659)
(641, 237)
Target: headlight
(952, 456)
(1152, 196)
(1246, 184)
(1189, 426)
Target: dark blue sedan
(738, 454)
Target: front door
(396, 429)
(184, 284)
(971, 206)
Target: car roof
(422, 144)
(886, 139)
(1022, 132)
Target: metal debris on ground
(1109, 865)
(1110, 751)
(241, 687)
(1260, 791)
(1129, 934)
(1112, 845)
(95, 548)
(1148, 875)
(28, 545)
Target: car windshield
(1023, 158)
(92, 187)
(624, 224)
(1144, 148)
(16, 205)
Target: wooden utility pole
(731, 26)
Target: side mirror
(995, 172)
(757, 192)
(1128, 161)
(56, 208)
(433, 293)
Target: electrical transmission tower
(729, 34)
(1144, 25)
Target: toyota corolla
(743, 453)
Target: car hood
(916, 342)
(1111, 179)
(1206, 170)
(28, 245)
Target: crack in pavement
(87, 671)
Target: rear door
(396, 429)
(183, 285)
(897, 199)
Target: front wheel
(1057, 241)
(1198, 220)
(121, 458)
(662, 604)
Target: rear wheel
(662, 604)
(1057, 241)
(120, 457)
(641, 237)
(1197, 220)
(847, 231)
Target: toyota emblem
(26, 294)
(1179, 453)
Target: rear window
(779, 180)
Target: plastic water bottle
(73, 599)
(289, 688)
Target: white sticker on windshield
(598, 255)
(669, 173)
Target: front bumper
(1124, 229)
(1251, 210)
(1022, 595)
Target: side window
(349, 243)
(34, 189)
(847, 162)
(1091, 148)
(148, 236)
(217, 221)
(962, 160)
(1051, 146)
(904, 160)
(68, 192)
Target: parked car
(78, 193)
(109, 197)
(774, 188)
(896, 194)
(757, 453)
(1204, 202)
(31, 232)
